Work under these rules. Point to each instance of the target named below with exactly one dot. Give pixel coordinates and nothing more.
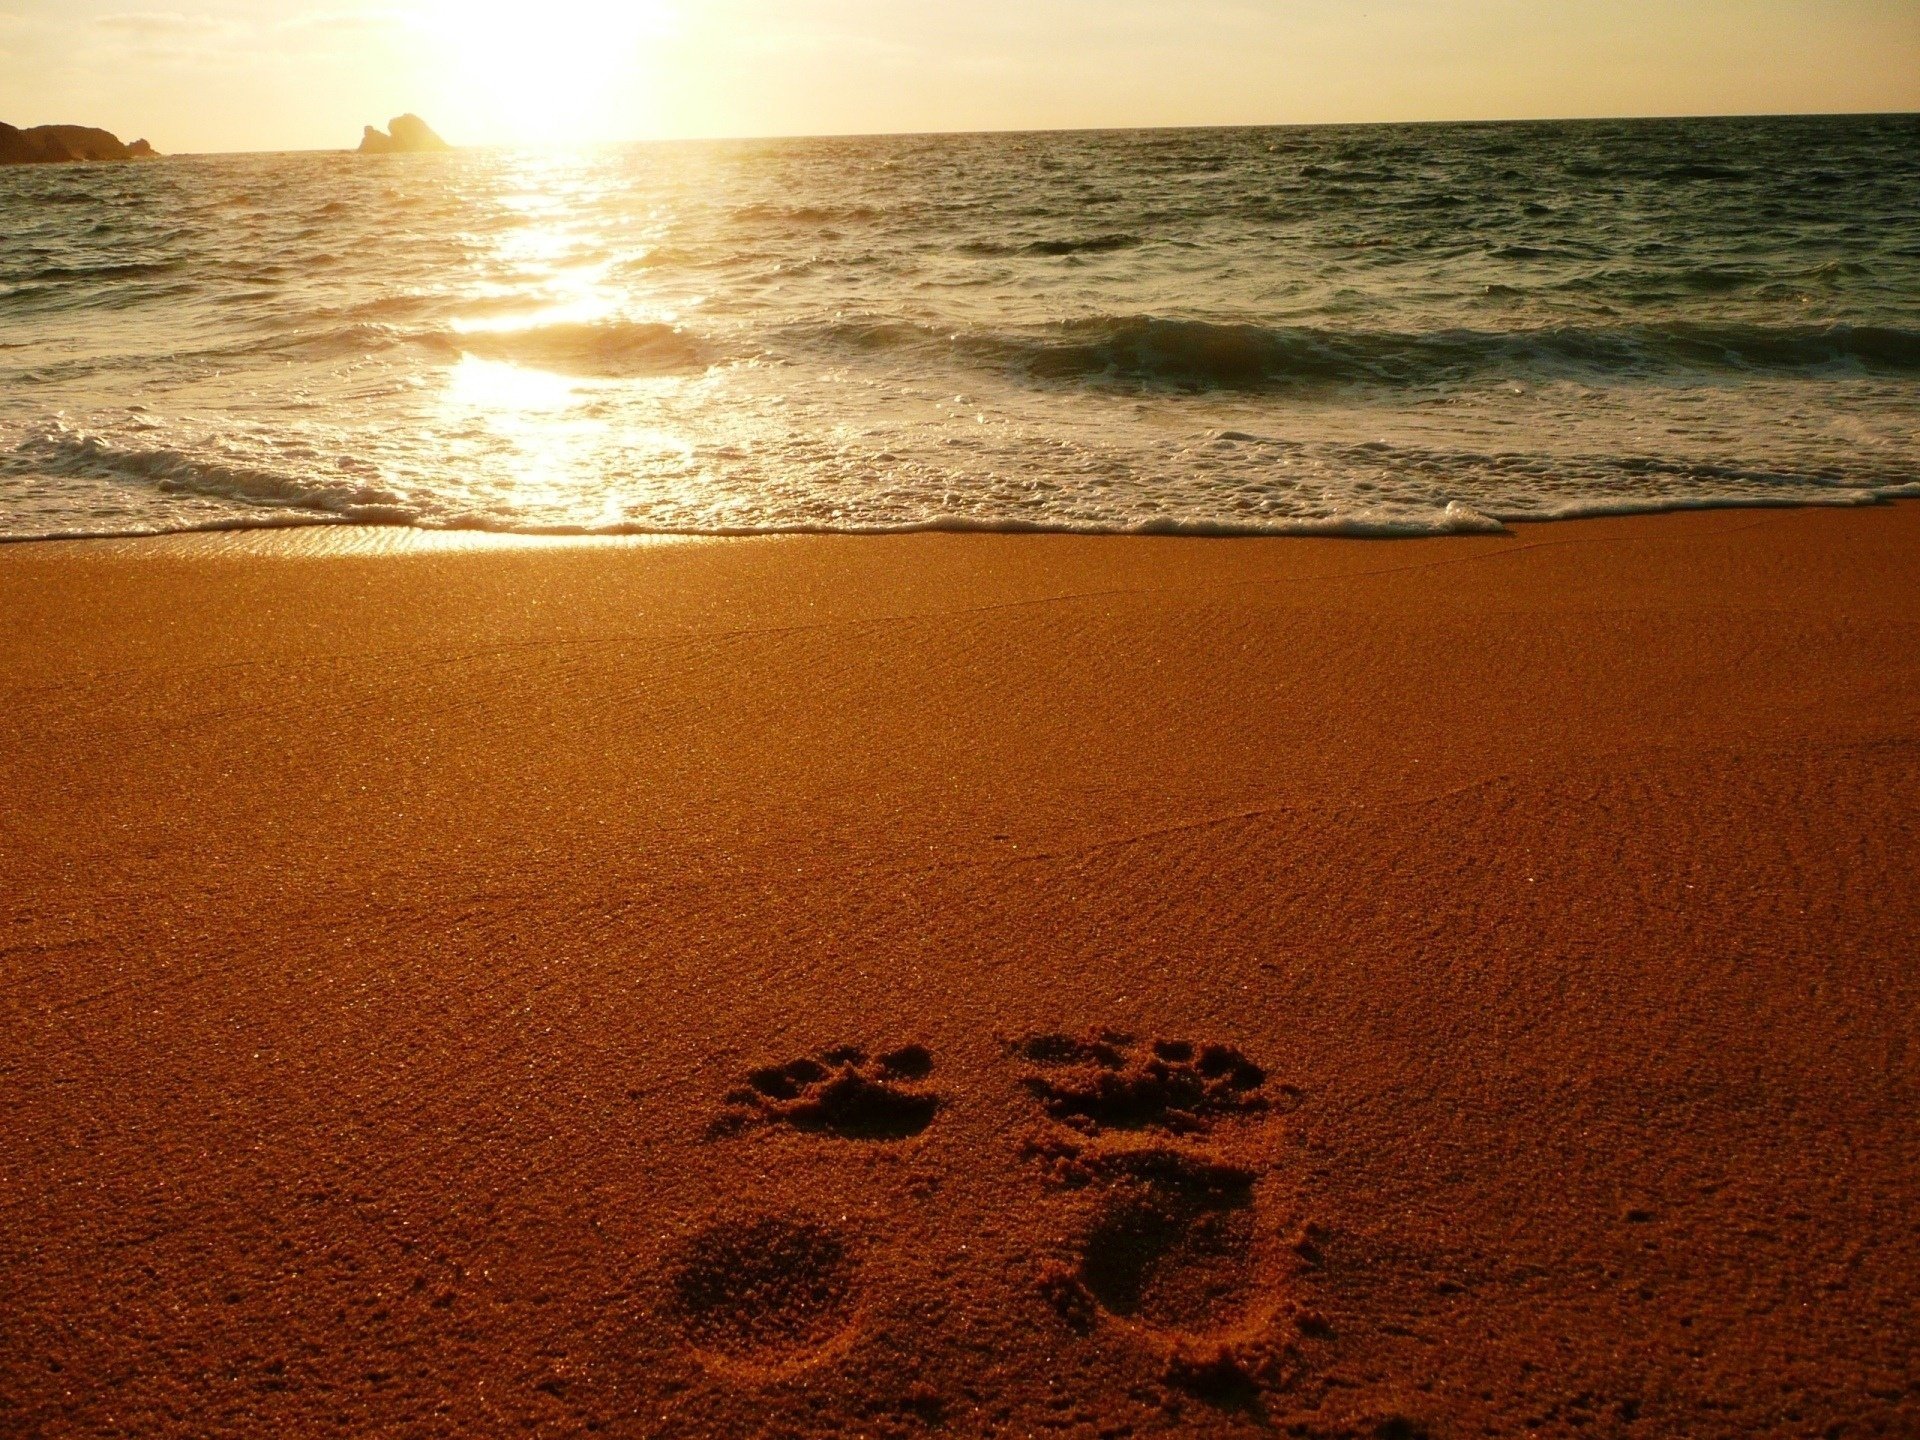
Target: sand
(964, 985)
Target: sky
(307, 74)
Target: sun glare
(560, 70)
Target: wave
(1697, 171)
(1088, 245)
(611, 348)
(261, 495)
(682, 257)
(1202, 355)
(1361, 523)
(1452, 518)
(1346, 173)
(283, 498)
(62, 452)
(85, 274)
(762, 213)
(351, 339)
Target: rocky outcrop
(65, 144)
(404, 135)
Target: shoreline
(335, 536)
(412, 974)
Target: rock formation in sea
(61, 144)
(404, 135)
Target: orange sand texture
(953, 986)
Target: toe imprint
(1106, 1080)
(842, 1092)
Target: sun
(545, 70)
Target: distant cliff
(62, 144)
(404, 135)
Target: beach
(963, 984)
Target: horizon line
(709, 139)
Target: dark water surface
(1390, 329)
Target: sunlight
(536, 439)
(566, 299)
(563, 70)
(547, 441)
(550, 267)
(504, 394)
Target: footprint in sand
(764, 1296)
(1174, 1242)
(771, 1294)
(841, 1092)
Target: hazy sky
(275, 74)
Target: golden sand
(964, 985)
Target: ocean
(1375, 330)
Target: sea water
(1375, 330)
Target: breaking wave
(1199, 355)
(592, 348)
(610, 349)
(61, 452)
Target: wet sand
(964, 985)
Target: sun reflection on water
(505, 393)
(571, 300)
(527, 418)
(550, 256)
(533, 403)
(542, 332)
